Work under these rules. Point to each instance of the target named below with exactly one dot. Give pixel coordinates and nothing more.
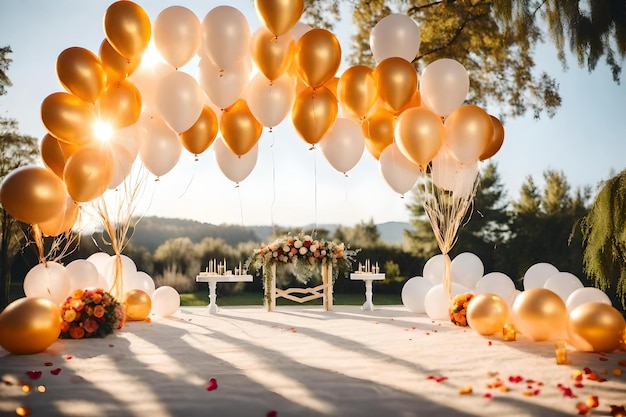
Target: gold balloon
(468, 130)
(495, 143)
(120, 105)
(88, 172)
(271, 55)
(396, 80)
(279, 16)
(487, 314)
(202, 134)
(318, 55)
(29, 325)
(240, 129)
(378, 130)
(52, 155)
(416, 101)
(127, 28)
(596, 327)
(419, 135)
(62, 222)
(331, 85)
(116, 66)
(539, 314)
(81, 73)
(32, 194)
(138, 305)
(68, 118)
(357, 91)
(313, 113)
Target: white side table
(212, 281)
(368, 279)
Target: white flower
(308, 237)
(341, 246)
(303, 250)
(297, 244)
(275, 254)
(286, 248)
(323, 252)
(313, 248)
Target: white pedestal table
(213, 279)
(368, 278)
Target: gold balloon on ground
(539, 314)
(596, 327)
(29, 325)
(487, 314)
(137, 304)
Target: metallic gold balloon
(378, 130)
(68, 118)
(468, 131)
(271, 55)
(32, 194)
(539, 314)
(120, 105)
(81, 73)
(487, 314)
(313, 113)
(88, 172)
(116, 66)
(495, 143)
(279, 16)
(138, 305)
(596, 327)
(52, 154)
(29, 325)
(240, 129)
(62, 222)
(357, 91)
(127, 28)
(202, 134)
(318, 55)
(396, 80)
(419, 135)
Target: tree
(362, 235)
(180, 253)
(5, 61)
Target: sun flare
(103, 131)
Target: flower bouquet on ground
(458, 308)
(91, 313)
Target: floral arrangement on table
(91, 313)
(458, 308)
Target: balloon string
(315, 188)
(273, 180)
(193, 175)
(240, 206)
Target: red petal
(583, 408)
(272, 413)
(34, 374)
(47, 364)
(212, 385)
(55, 371)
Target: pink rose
(90, 325)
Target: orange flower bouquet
(458, 308)
(91, 313)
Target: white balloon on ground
(47, 280)
(236, 168)
(224, 87)
(467, 269)
(81, 274)
(225, 36)
(563, 284)
(399, 173)
(444, 86)
(99, 260)
(159, 148)
(434, 268)
(585, 295)
(437, 300)
(270, 101)
(496, 283)
(110, 269)
(165, 301)
(139, 281)
(414, 294)
(537, 275)
(395, 35)
(103, 283)
(343, 145)
(179, 100)
(511, 300)
(177, 35)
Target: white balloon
(414, 294)
(271, 101)
(225, 36)
(395, 35)
(433, 269)
(179, 100)
(139, 281)
(452, 175)
(128, 137)
(160, 148)
(47, 280)
(343, 145)
(496, 283)
(586, 295)
(81, 274)
(224, 87)
(537, 275)
(122, 165)
(399, 173)
(467, 269)
(165, 301)
(145, 78)
(563, 284)
(110, 268)
(299, 29)
(99, 260)
(444, 86)
(511, 300)
(437, 300)
(236, 168)
(177, 35)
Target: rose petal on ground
(582, 408)
(55, 371)
(34, 374)
(211, 385)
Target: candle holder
(508, 332)
(560, 352)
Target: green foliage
(604, 237)
(5, 61)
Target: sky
(291, 185)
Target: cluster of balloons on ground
(553, 304)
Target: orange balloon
(396, 80)
(32, 194)
(357, 91)
(539, 314)
(29, 325)
(279, 16)
(416, 101)
(497, 139)
(202, 134)
(331, 85)
(62, 222)
(52, 155)
(596, 327)
(318, 55)
(378, 130)
(313, 113)
(240, 129)
(68, 118)
(272, 55)
(127, 28)
(120, 105)
(68, 149)
(88, 172)
(468, 130)
(419, 135)
(81, 73)
(116, 66)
